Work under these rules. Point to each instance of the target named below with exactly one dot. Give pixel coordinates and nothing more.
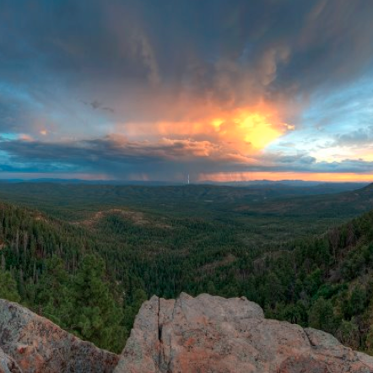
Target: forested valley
(88, 266)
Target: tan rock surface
(213, 334)
(39, 346)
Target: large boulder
(213, 334)
(39, 346)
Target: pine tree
(130, 312)
(54, 297)
(96, 316)
(321, 315)
(8, 287)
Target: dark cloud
(137, 61)
(119, 158)
(217, 47)
(98, 105)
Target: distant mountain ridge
(251, 183)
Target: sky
(223, 90)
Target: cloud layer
(147, 89)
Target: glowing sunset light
(217, 123)
(251, 127)
(244, 130)
(259, 131)
(278, 176)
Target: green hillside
(88, 260)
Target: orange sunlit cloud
(242, 131)
(25, 137)
(256, 127)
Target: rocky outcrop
(213, 334)
(205, 334)
(33, 344)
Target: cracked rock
(213, 334)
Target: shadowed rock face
(213, 334)
(39, 346)
(7, 364)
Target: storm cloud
(127, 87)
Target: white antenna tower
(188, 180)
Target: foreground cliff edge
(34, 344)
(202, 334)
